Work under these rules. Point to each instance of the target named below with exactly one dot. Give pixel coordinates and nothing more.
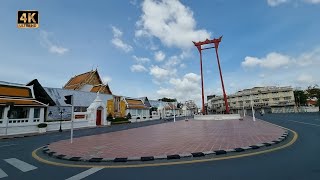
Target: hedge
(120, 122)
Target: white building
(138, 110)
(269, 99)
(19, 110)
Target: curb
(50, 153)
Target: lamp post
(244, 113)
(10, 106)
(174, 112)
(254, 118)
(61, 113)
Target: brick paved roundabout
(169, 140)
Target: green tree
(300, 97)
(167, 100)
(314, 92)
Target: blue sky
(144, 48)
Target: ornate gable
(101, 88)
(78, 81)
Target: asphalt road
(300, 161)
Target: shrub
(42, 125)
(118, 119)
(109, 117)
(120, 122)
(128, 116)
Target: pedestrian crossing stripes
(23, 166)
(84, 174)
(3, 174)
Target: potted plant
(42, 127)
(128, 116)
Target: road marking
(6, 145)
(23, 166)
(3, 174)
(84, 174)
(305, 123)
(34, 155)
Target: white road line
(3, 174)
(23, 166)
(84, 174)
(6, 145)
(305, 123)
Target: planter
(42, 127)
(42, 130)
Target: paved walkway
(171, 138)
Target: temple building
(89, 81)
(119, 106)
(20, 111)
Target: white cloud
(118, 42)
(309, 58)
(133, 2)
(274, 3)
(138, 68)
(271, 61)
(106, 79)
(161, 73)
(305, 79)
(141, 59)
(183, 65)
(59, 50)
(116, 32)
(171, 22)
(185, 88)
(301, 71)
(159, 56)
(173, 61)
(50, 44)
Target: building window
(19, 113)
(266, 100)
(276, 99)
(256, 100)
(287, 98)
(80, 109)
(36, 113)
(1, 112)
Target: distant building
(19, 108)
(312, 102)
(210, 97)
(191, 105)
(269, 99)
(89, 81)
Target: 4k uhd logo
(28, 19)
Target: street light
(254, 118)
(61, 111)
(174, 112)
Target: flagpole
(72, 111)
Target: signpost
(70, 100)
